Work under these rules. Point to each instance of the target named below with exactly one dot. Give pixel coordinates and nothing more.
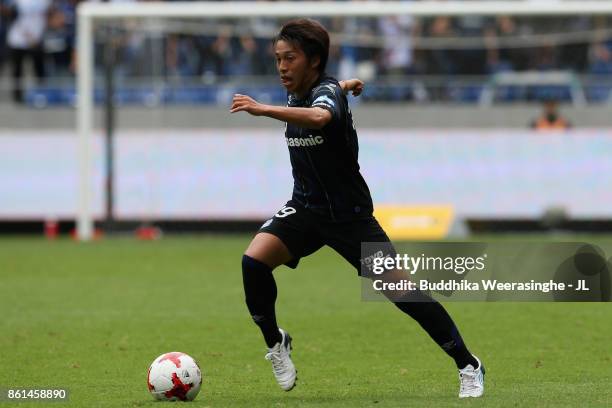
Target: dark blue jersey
(324, 161)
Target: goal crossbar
(89, 13)
(211, 9)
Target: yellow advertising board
(428, 222)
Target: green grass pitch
(92, 317)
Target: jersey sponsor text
(307, 141)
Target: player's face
(297, 73)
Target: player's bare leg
(269, 249)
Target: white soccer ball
(174, 376)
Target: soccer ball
(174, 376)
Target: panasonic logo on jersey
(308, 141)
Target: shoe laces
(278, 362)
(468, 380)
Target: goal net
(165, 147)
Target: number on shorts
(285, 211)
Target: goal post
(91, 13)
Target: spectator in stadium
(246, 49)
(440, 61)
(601, 58)
(388, 48)
(398, 33)
(222, 51)
(24, 39)
(344, 53)
(551, 119)
(500, 58)
(367, 56)
(232, 53)
(545, 58)
(5, 15)
(262, 28)
(209, 55)
(59, 38)
(471, 61)
(575, 56)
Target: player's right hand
(247, 104)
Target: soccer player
(331, 203)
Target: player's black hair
(310, 36)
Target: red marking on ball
(179, 389)
(174, 357)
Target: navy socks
(434, 319)
(260, 294)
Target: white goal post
(90, 13)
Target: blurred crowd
(42, 32)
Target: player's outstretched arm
(355, 85)
(312, 118)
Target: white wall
(241, 173)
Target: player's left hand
(354, 85)
(247, 104)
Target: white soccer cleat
(282, 366)
(471, 381)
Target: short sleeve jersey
(324, 161)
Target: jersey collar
(316, 83)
